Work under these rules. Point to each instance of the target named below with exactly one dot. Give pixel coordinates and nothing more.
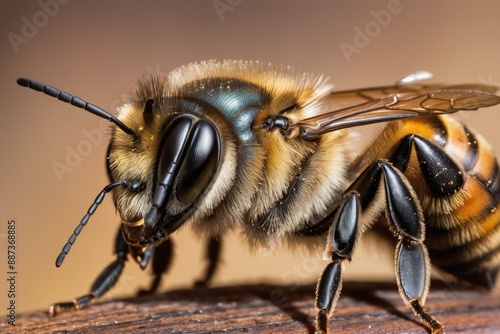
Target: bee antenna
(77, 102)
(65, 250)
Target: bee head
(176, 159)
(163, 156)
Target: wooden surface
(363, 308)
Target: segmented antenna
(65, 250)
(134, 186)
(77, 102)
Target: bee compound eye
(200, 162)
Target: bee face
(176, 158)
(246, 145)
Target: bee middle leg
(162, 255)
(340, 243)
(162, 259)
(405, 218)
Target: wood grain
(362, 308)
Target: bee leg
(412, 266)
(340, 242)
(445, 178)
(105, 281)
(442, 175)
(213, 257)
(406, 220)
(162, 260)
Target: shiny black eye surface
(199, 163)
(190, 149)
(174, 142)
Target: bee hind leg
(105, 281)
(406, 221)
(213, 256)
(411, 263)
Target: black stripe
(455, 252)
(470, 158)
(436, 231)
(494, 185)
(458, 267)
(440, 133)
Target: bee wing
(382, 104)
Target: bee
(267, 150)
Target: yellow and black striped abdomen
(460, 192)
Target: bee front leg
(162, 259)
(105, 281)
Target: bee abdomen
(459, 193)
(466, 241)
(463, 237)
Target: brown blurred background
(97, 50)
